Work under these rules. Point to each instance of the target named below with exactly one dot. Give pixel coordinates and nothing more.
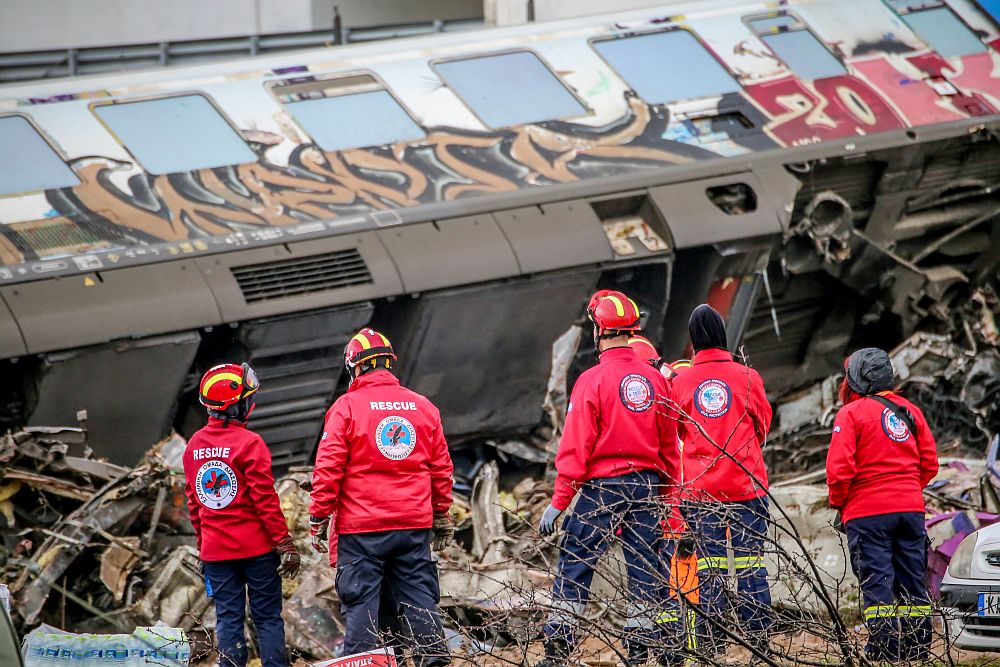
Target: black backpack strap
(903, 414)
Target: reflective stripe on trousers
(900, 611)
(722, 563)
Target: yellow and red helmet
(367, 344)
(226, 385)
(615, 312)
(644, 349)
(680, 363)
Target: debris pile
(89, 544)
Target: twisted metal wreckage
(100, 547)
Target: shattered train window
(348, 112)
(667, 66)
(175, 134)
(509, 89)
(794, 43)
(938, 26)
(27, 162)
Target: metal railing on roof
(34, 65)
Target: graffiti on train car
(890, 84)
(446, 165)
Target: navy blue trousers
(399, 560)
(746, 523)
(231, 581)
(628, 502)
(889, 557)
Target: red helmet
(367, 344)
(644, 349)
(226, 385)
(615, 312)
(594, 300)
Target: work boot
(557, 652)
(759, 642)
(641, 644)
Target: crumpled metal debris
(87, 540)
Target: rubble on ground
(93, 546)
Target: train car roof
(265, 64)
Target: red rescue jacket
(875, 464)
(383, 463)
(614, 426)
(727, 400)
(230, 492)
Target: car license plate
(989, 604)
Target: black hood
(707, 329)
(869, 371)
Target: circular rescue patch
(894, 427)
(636, 392)
(395, 437)
(215, 485)
(712, 398)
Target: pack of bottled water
(155, 646)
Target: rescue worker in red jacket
(725, 481)
(882, 455)
(617, 448)
(243, 540)
(384, 474)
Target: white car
(970, 591)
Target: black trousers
(400, 560)
(232, 581)
(889, 556)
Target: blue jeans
(628, 502)
(889, 557)
(746, 523)
(231, 581)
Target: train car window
(794, 43)
(27, 162)
(175, 134)
(939, 27)
(667, 66)
(510, 89)
(348, 112)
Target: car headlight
(960, 566)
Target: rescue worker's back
(400, 467)
(609, 423)
(875, 465)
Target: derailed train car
(466, 193)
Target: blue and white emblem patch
(712, 398)
(894, 427)
(215, 485)
(636, 392)
(395, 437)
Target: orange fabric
(684, 578)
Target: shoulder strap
(900, 411)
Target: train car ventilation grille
(302, 275)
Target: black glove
(444, 530)
(290, 559)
